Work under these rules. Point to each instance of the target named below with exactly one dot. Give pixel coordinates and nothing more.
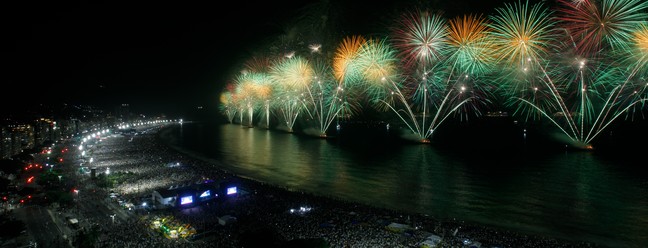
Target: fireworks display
(421, 38)
(596, 25)
(472, 50)
(521, 33)
(580, 67)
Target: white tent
(398, 227)
(431, 241)
(226, 219)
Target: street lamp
(60, 178)
(113, 218)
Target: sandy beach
(266, 215)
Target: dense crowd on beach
(265, 214)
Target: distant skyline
(157, 56)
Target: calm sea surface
(582, 196)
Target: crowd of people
(265, 214)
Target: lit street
(47, 230)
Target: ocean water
(507, 177)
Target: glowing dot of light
(315, 47)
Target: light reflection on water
(573, 195)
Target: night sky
(157, 56)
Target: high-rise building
(43, 131)
(5, 143)
(22, 137)
(123, 113)
(66, 127)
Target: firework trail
(227, 106)
(443, 63)
(347, 76)
(325, 98)
(251, 89)
(580, 96)
(293, 77)
(580, 67)
(421, 38)
(597, 25)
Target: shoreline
(488, 236)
